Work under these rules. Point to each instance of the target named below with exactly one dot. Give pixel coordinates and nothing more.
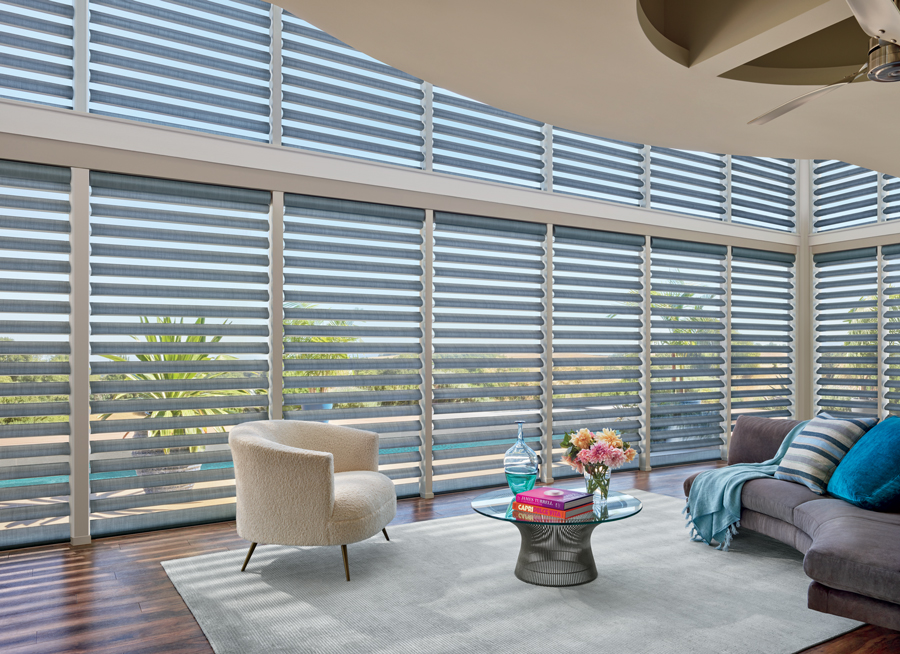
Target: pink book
(554, 498)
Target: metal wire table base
(556, 554)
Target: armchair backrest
(284, 476)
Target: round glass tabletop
(498, 504)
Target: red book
(560, 499)
(552, 513)
(537, 517)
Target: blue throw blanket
(713, 507)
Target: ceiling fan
(880, 19)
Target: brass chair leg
(249, 554)
(384, 531)
(346, 563)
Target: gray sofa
(851, 554)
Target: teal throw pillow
(869, 476)
(818, 449)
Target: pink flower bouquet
(595, 455)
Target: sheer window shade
(843, 195)
(477, 140)
(34, 354)
(36, 51)
(763, 192)
(353, 323)
(597, 321)
(762, 334)
(179, 292)
(685, 182)
(195, 64)
(488, 299)
(599, 168)
(890, 197)
(340, 101)
(890, 345)
(686, 353)
(846, 311)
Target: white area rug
(447, 585)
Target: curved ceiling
(606, 68)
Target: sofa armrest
(755, 440)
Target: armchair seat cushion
(364, 503)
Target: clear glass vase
(596, 479)
(520, 464)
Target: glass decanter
(520, 464)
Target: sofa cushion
(818, 449)
(775, 498)
(774, 528)
(858, 555)
(810, 516)
(757, 439)
(869, 476)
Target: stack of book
(551, 504)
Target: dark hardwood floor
(114, 597)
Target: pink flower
(598, 453)
(615, 458)
(576, 465)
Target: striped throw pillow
(819, 448)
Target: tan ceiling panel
(590, 67)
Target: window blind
(34, 354)
(488, 299)
(338, 100)
(891, 197)
(195, 64)
(846, 311)
(890, 344)
(686, 352)
(477, 140)
(598, 168)
(353, 323)
(692, 183)
(179, 292)
(597, 321)
(36, 51)
(762, 333)
(763, 192)
(844, 195)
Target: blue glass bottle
(520, 464)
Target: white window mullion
(427, 387)
(80, 64)
(275, 81)
(645, 358)
(726, 422)
(428, 121)
(645, 179)
(728, 189)
(881, 353)
(79, 359)
(547, 361)
(547, 158)
(276, 307)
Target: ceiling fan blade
(803, 99)
(878, 18)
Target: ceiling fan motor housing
(884, 61)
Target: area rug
(447, 585)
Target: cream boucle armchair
(309, 483)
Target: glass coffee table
(556, 552)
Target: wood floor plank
(113, 596)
